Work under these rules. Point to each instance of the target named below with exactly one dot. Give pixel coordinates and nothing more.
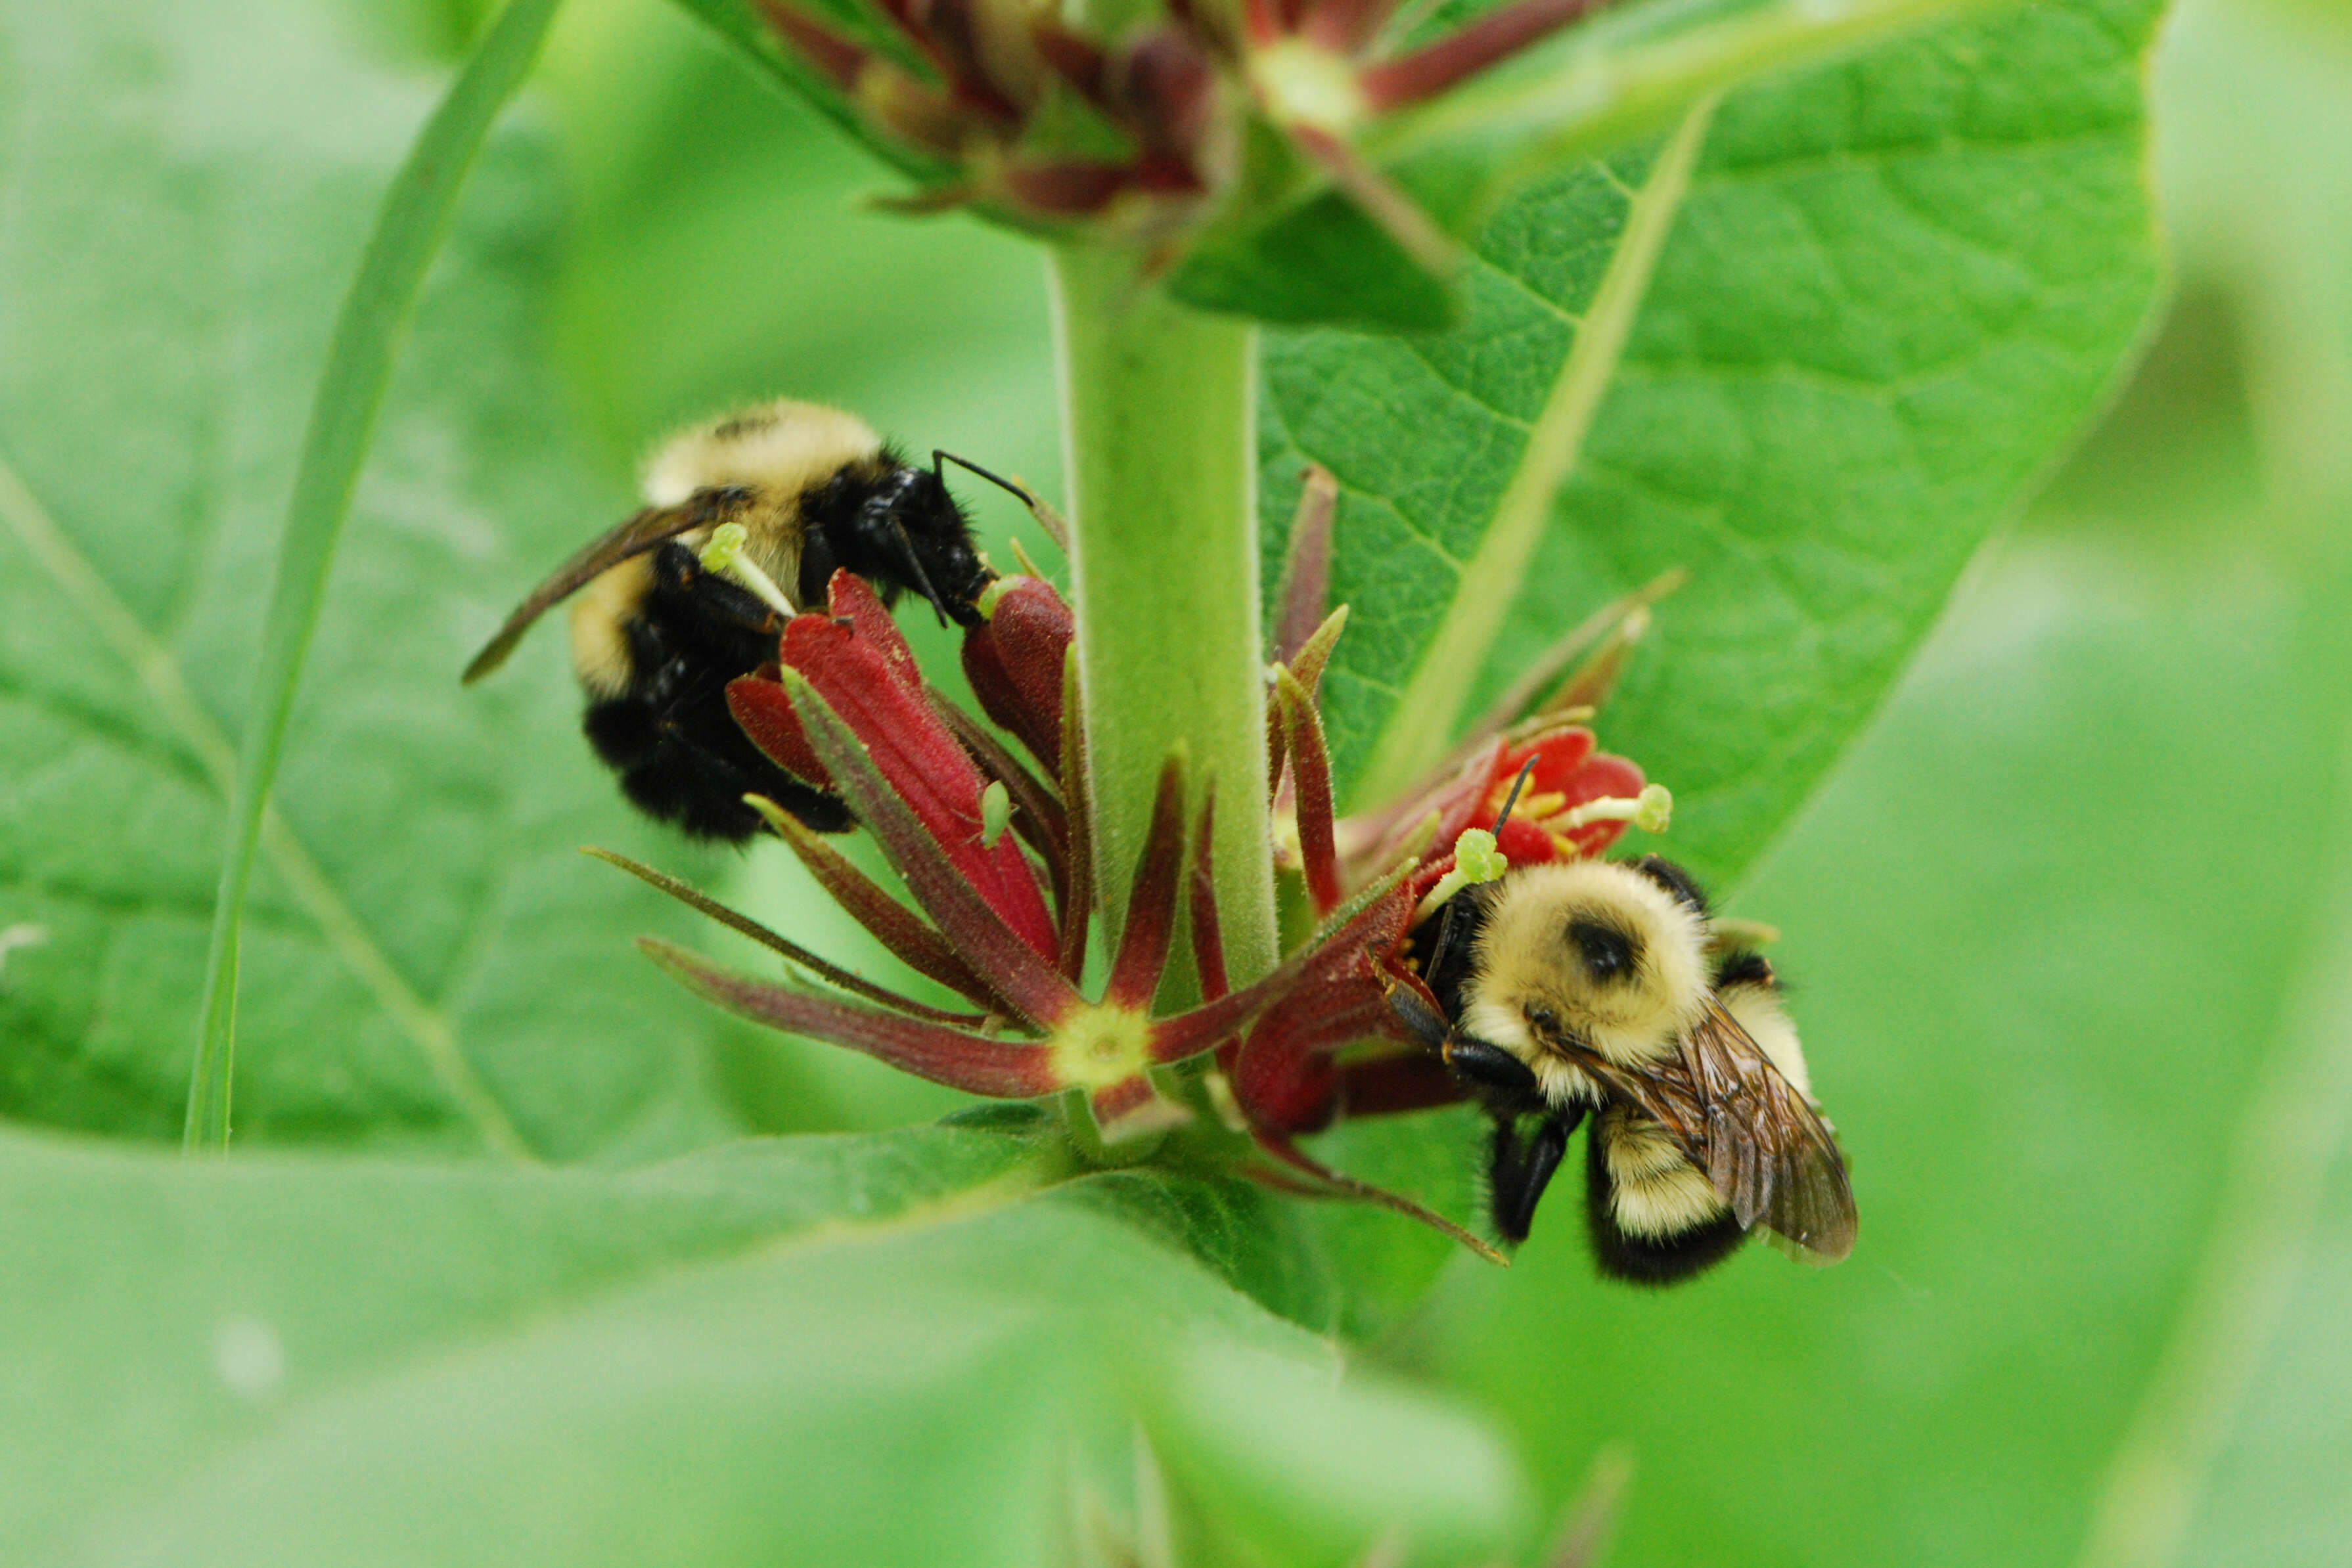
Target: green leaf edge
(369, 331)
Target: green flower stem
(1159, 438)
(368, 334)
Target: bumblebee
(1599, 990)
(656, 636)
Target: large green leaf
(900, 1348)
(186, 198)
(1809, 348)
(1288, 247)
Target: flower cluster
(1012, 109)
(997, 857)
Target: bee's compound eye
(1608, 954)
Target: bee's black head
(938, 540)
(900, 530)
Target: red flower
(855, 660)
(845, 709)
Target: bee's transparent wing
(1766, 1150)
(640, 533)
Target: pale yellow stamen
(724, 556)
(1651, 812)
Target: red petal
(1524, 843)
(1151, 903)
(1305, 592)
(836, 58)
(792, 951)
(1410, 1080)
(1343, 27)
(865, 675)
(1006, 1070)
(1282, 1089)
(1168, 89)
(1493, 37)
(1078, 905)
(1310, 768)
(1558, 754)
(765, 714)
(895, 925)
(1339, 964)
(999, 925)
(852, 599)
(1064, 187)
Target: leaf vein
(158, 672)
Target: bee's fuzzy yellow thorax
(782, 447)
(1528, 962)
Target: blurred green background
(2070, 929)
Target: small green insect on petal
(995, 812)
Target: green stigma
(1476, 858)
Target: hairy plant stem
(1159, 441)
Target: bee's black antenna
(914, 565)
(1438, 954)
(1512, 798)
(1000, 481)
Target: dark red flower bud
(1014, 660)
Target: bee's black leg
(681, 579)
(1517, 1177)
(1420, 1020)
(1494, 1070)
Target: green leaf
(369, 333)
(1812, 365)
(1289, 248)
(880, 1350)
(425, 958)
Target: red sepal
(1014, 661)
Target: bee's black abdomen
(1675, 880)
(1746, 968)
(698, 781)
(1648, 1260)
(680, 755)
